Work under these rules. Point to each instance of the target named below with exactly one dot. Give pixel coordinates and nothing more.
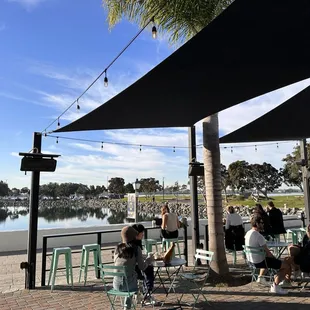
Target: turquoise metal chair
(108, 271)
(255, 271)
(198, 276)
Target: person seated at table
(253, 238)
(301, 254)
(267, 230)
(148, 274)
(170, 224)
(234, 230)
(275, 219)
(129, 254)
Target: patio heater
(35, 162)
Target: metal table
(279, 245)
(176, 263)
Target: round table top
(175, 262)
(272, 244)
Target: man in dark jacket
(276, 219)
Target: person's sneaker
(285, 283)
(276, 289)
(151, 301)
(262, 281)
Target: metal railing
(99, 234)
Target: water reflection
(17, 217)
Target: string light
(58, 122)
(103, 72)
(160, 146)
(255, 148)
(77, 104)
(154, 29)
(57, 140)
(106, 81)
(277, 145)
(101, 145)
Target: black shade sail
(288, 121)
(253, 47)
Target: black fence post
(207, 237)
(43, 270)
(185, 245)
(98, 242)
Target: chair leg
(70, 269)
(55, 266)
(86, 266)
(82, 264)
(51, 269)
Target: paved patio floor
(13, 296)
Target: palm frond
(181, 19)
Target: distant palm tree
(182, 19)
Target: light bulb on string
(277, 145)
(101, 145)
(57, 140)
(105, 81)
(174, 149)
(140, 148)
(255, 148)
(154, 29)
(231, 150)
(58, 122)
(77, 104)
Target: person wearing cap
(129, 254)
(148, 273)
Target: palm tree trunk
(212, 166)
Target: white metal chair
(198, 276)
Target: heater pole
(33, 218)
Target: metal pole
(163, 189)
(136, 211)
(305, 177)
(193, 191)
(33, 219)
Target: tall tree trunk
(212, 166)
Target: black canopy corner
(288, 121)
(252, 48)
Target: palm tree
(182, 19)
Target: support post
(33, 219)
(193, 191)
(305, 177)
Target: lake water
(18, 218)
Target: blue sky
(51, 50)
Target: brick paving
(14, 296)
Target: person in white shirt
(234, 231)
(253, 238)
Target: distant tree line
(239, 176)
